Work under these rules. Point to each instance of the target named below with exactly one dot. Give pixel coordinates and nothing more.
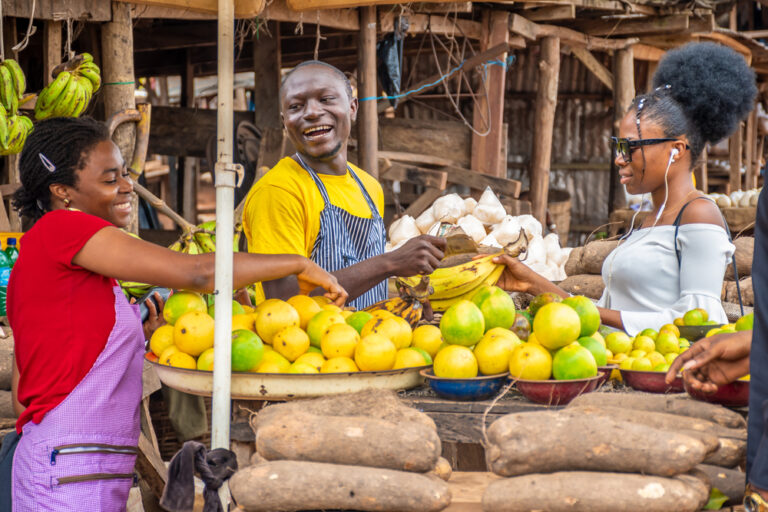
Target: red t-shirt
(61, 314)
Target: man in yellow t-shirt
(316, 204)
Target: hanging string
(318, 37)
(31, 29)
(69, 53)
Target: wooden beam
(345, 19)
(623, 93)
(437, 24)
(432, 81)
(553, 13)
(700, 172)
(51, 49)
(735, 149)
(478, 181)
(243, 8)
(595, 66)
(753, 167)
(543, 124)
(522, 26)
(88, 10)
(266, 69)
(117, 69)
(730, 42)
(416, 175)
(647, 52)
(488, 114)
(367, 123)
(451, 7)
(304, 5)
(674, 23)
(595, 5)
(423, 202)
(150, 465)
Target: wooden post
(188, 165)
(51, 49)
(118, 80)
(701, 173)
(266, 67)
(10, 38)
(368, 120)
(489, 110)
(544, 120)
(753, 170)
(623, 93)
(735, 149)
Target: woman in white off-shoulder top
(661, 138)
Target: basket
(167, 441)
(559, 207)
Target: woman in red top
(78, 343)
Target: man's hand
(420, 255)
(714, 361)
(313, 276)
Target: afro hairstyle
(703, 91)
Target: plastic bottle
(12, 251)
(5, 273)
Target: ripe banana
(454, 281)
(19, 81)
(407, 308)
(445, 303)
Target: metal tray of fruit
(287, 386)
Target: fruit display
(14, 127)
(462, 279)
(487, 223)
(71, 90)
(300, 335)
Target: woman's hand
(155, 318)
(313, 276)
(714, 361)
(518, 277)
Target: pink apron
(81, 456)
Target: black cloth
(214, 467)
(757, 436)
(10, 441)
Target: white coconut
(745, 199)
(473, 227)
(754, 198)
(469, 205)
(531, 226)
(537, 251)
(449, 208)
(736, 196)
(490, 241)
(403, 229)
(552, 243)
(723, 201)
(507, 231)
(425, 220)
(489, 198)
(490, 215)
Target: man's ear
(353, 106)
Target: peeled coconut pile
(487, 223)
(737, 198)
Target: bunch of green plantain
(71, 91)
(14, 128)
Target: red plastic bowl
(604, 372)
(556, 392)
(652, 382)
(735, 394)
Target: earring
(66, 202)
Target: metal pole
(225, 197)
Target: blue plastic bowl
(478, 388)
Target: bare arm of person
(518, 277)
(112, 253)
(420, 255)
(17, 407)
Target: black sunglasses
(624, 147)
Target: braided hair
(702, 91)
(54, 151)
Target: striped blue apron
(345, 239)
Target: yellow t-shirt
(282, 210)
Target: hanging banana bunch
(14, 127)
(71, 91)
(463, 276)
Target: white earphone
(673, 153)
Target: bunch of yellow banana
(451, 284)
(71, 91)
(409, 305)
(202, 239)
(134, 289)
(14, 129)
(12, 85)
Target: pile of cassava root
(615, 452)
(584, 267)
(363, 451)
